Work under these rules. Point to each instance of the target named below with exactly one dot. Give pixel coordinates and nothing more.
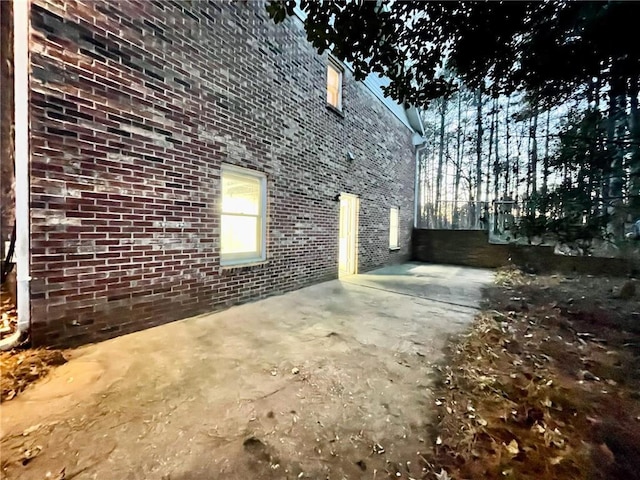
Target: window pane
(394, 217)
(240, 194)
(334, 86)
(239, 234)
(393, 227)
(333, 78)
(332, 98)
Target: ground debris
(8, 313)
(510, 276)
(61, 475)
(541, 390)
(20, 368)
(378, 449)
(443, 475)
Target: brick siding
(135, 106)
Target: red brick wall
(135, 105)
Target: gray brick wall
(135, 105)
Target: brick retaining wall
(472, 248)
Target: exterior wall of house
(135, 106)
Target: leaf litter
(20, 368)
(545, 385)
(8, 313)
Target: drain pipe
(21, 158)
(420, 143)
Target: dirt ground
(546, 385)
(329, 382)
(350, 379)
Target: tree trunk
(517, 163)
(507, 166)
(424, 199)
(496, 169)
(545, 161)
(616, 134)
(599, 143)
(440, 162)
(534, 153)
(634, 160)
(489, 156)
(529, 171)
(478, 154)
(456, 186)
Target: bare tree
(438, 201)
(616, 132)
(534, 151)
(634, 159)
(458, 162)
(490, 154)
(507, 166)
(478, 152)
(496, 164)
(545, 161)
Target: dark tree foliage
(549, 48)
(574, 211)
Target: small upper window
(334, 85)
(242, 220)
(394, 228)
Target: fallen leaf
(538, 428)
(513, 448)
(443, 475)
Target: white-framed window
(242, 216)
(394, 227)
(334, 85)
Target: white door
(348, 234)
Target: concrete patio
(325, 382)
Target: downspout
(416, 201)
(21, 158)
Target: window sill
(335, 110)
(394, 249)
(240, 266)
